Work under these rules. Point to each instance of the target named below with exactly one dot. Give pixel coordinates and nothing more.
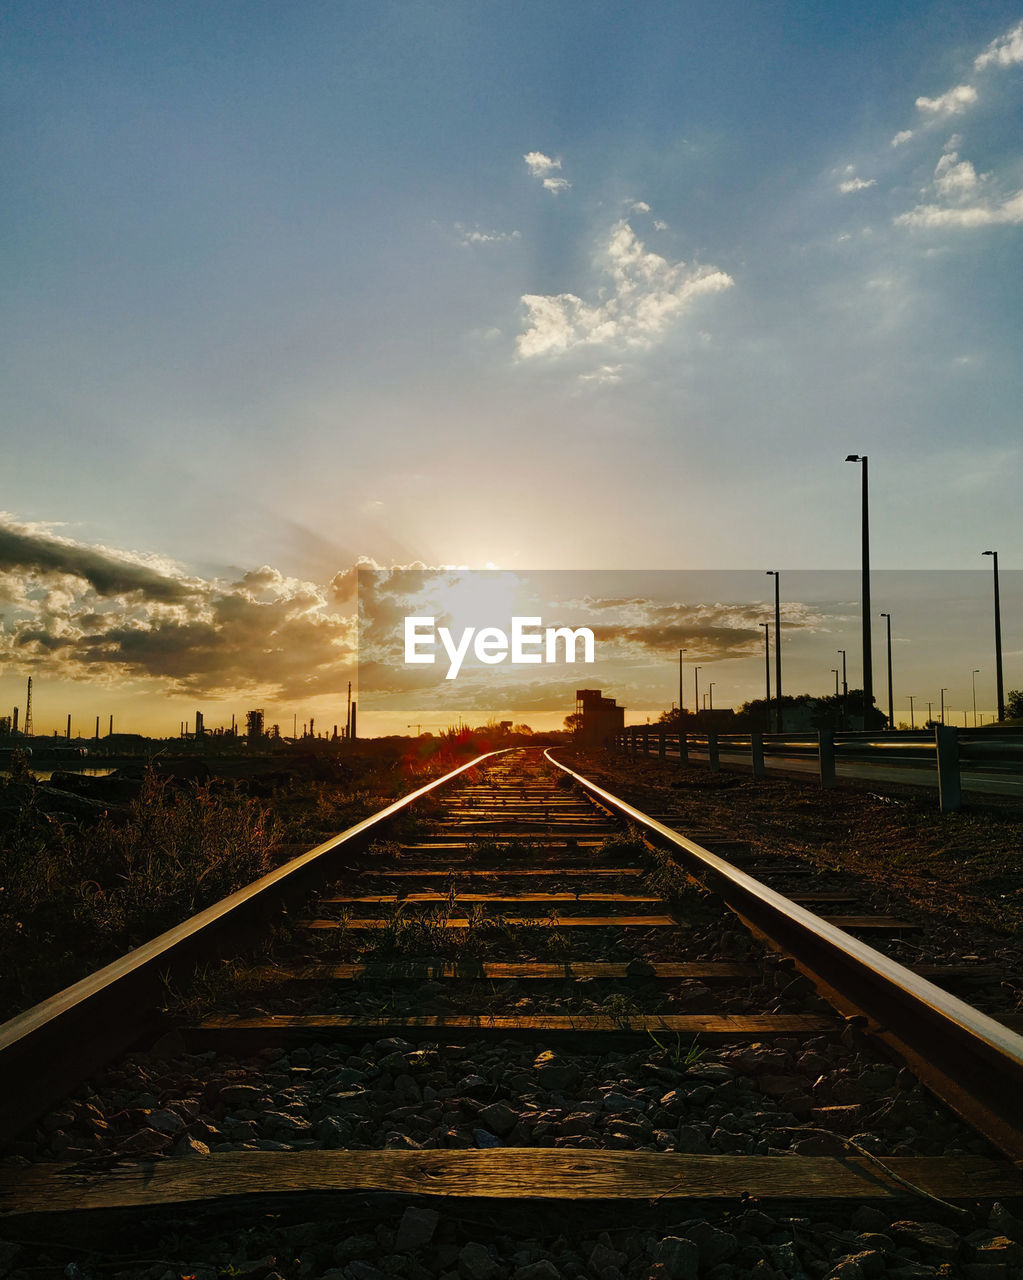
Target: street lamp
(681, 704)
(767, 673)
(834, 672)
(912, 722)
(891, 705)
(845, 689)
(998, 641)
(710, 693)
(696, 689)
(976, 673)
(943, 692)
(773, 573)
(868, 671)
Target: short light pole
(681, 704)
(930, 713)
(845, 689)
(943, 692)
(998, 641)
(891, 703)
(976, 673)
(767, 674)
(834, 672)
(696, 689)
(868, 671)
(773, 573)
(710, 693)
(912, 722)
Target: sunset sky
(544, 286)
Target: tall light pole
(845, 687)
(767, 673)
(891, 704)
(943, 692)
(681, 703)
(696, 689)
(930, 712)
(868, 669)
(710, 693)
(773, 573)
(976, 673)
(998, 641)
(912, 722)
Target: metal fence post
(757, 750)
(712, 752)
(646, 740)
(826, 755)
(683, 748)
(661, 744)
(946, 748)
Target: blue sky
(540, 285)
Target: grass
(683, 1053)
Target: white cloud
(1006, 51)
(954, 177)
(556, 185)
(606, 374)
(952, 103)
(902, 136)
(1006, 212)
(856, 184)
(641, 206)
(965, 199)
(659, 225)
(539, 164)
(473, 235)
(649, 293)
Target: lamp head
(989, 553)
(855, 457)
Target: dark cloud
(25, 550)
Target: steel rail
(50, 1048)
(970, 1061)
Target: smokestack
(14, 722)
(354, 733)
(111, 733)
(97, 728)
(69, 728)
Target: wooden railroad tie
(31, 1197)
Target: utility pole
(891, 704)
(868, 666)
(774, 573)
(998, 642)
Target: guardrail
(946, 749)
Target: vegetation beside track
(77, 892)
(966, 865)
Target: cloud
(902, 136)
(87, 612)
(543, 167)
(108, 573)
(538, 164)
(952, 103)
(953, 177)
(647, 293)
(659, 225)
(856, 184)
(1007, 212)
(1005, 51)
(964, 199)
(473, 235)
(641, 206)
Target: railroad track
(527, 1006)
